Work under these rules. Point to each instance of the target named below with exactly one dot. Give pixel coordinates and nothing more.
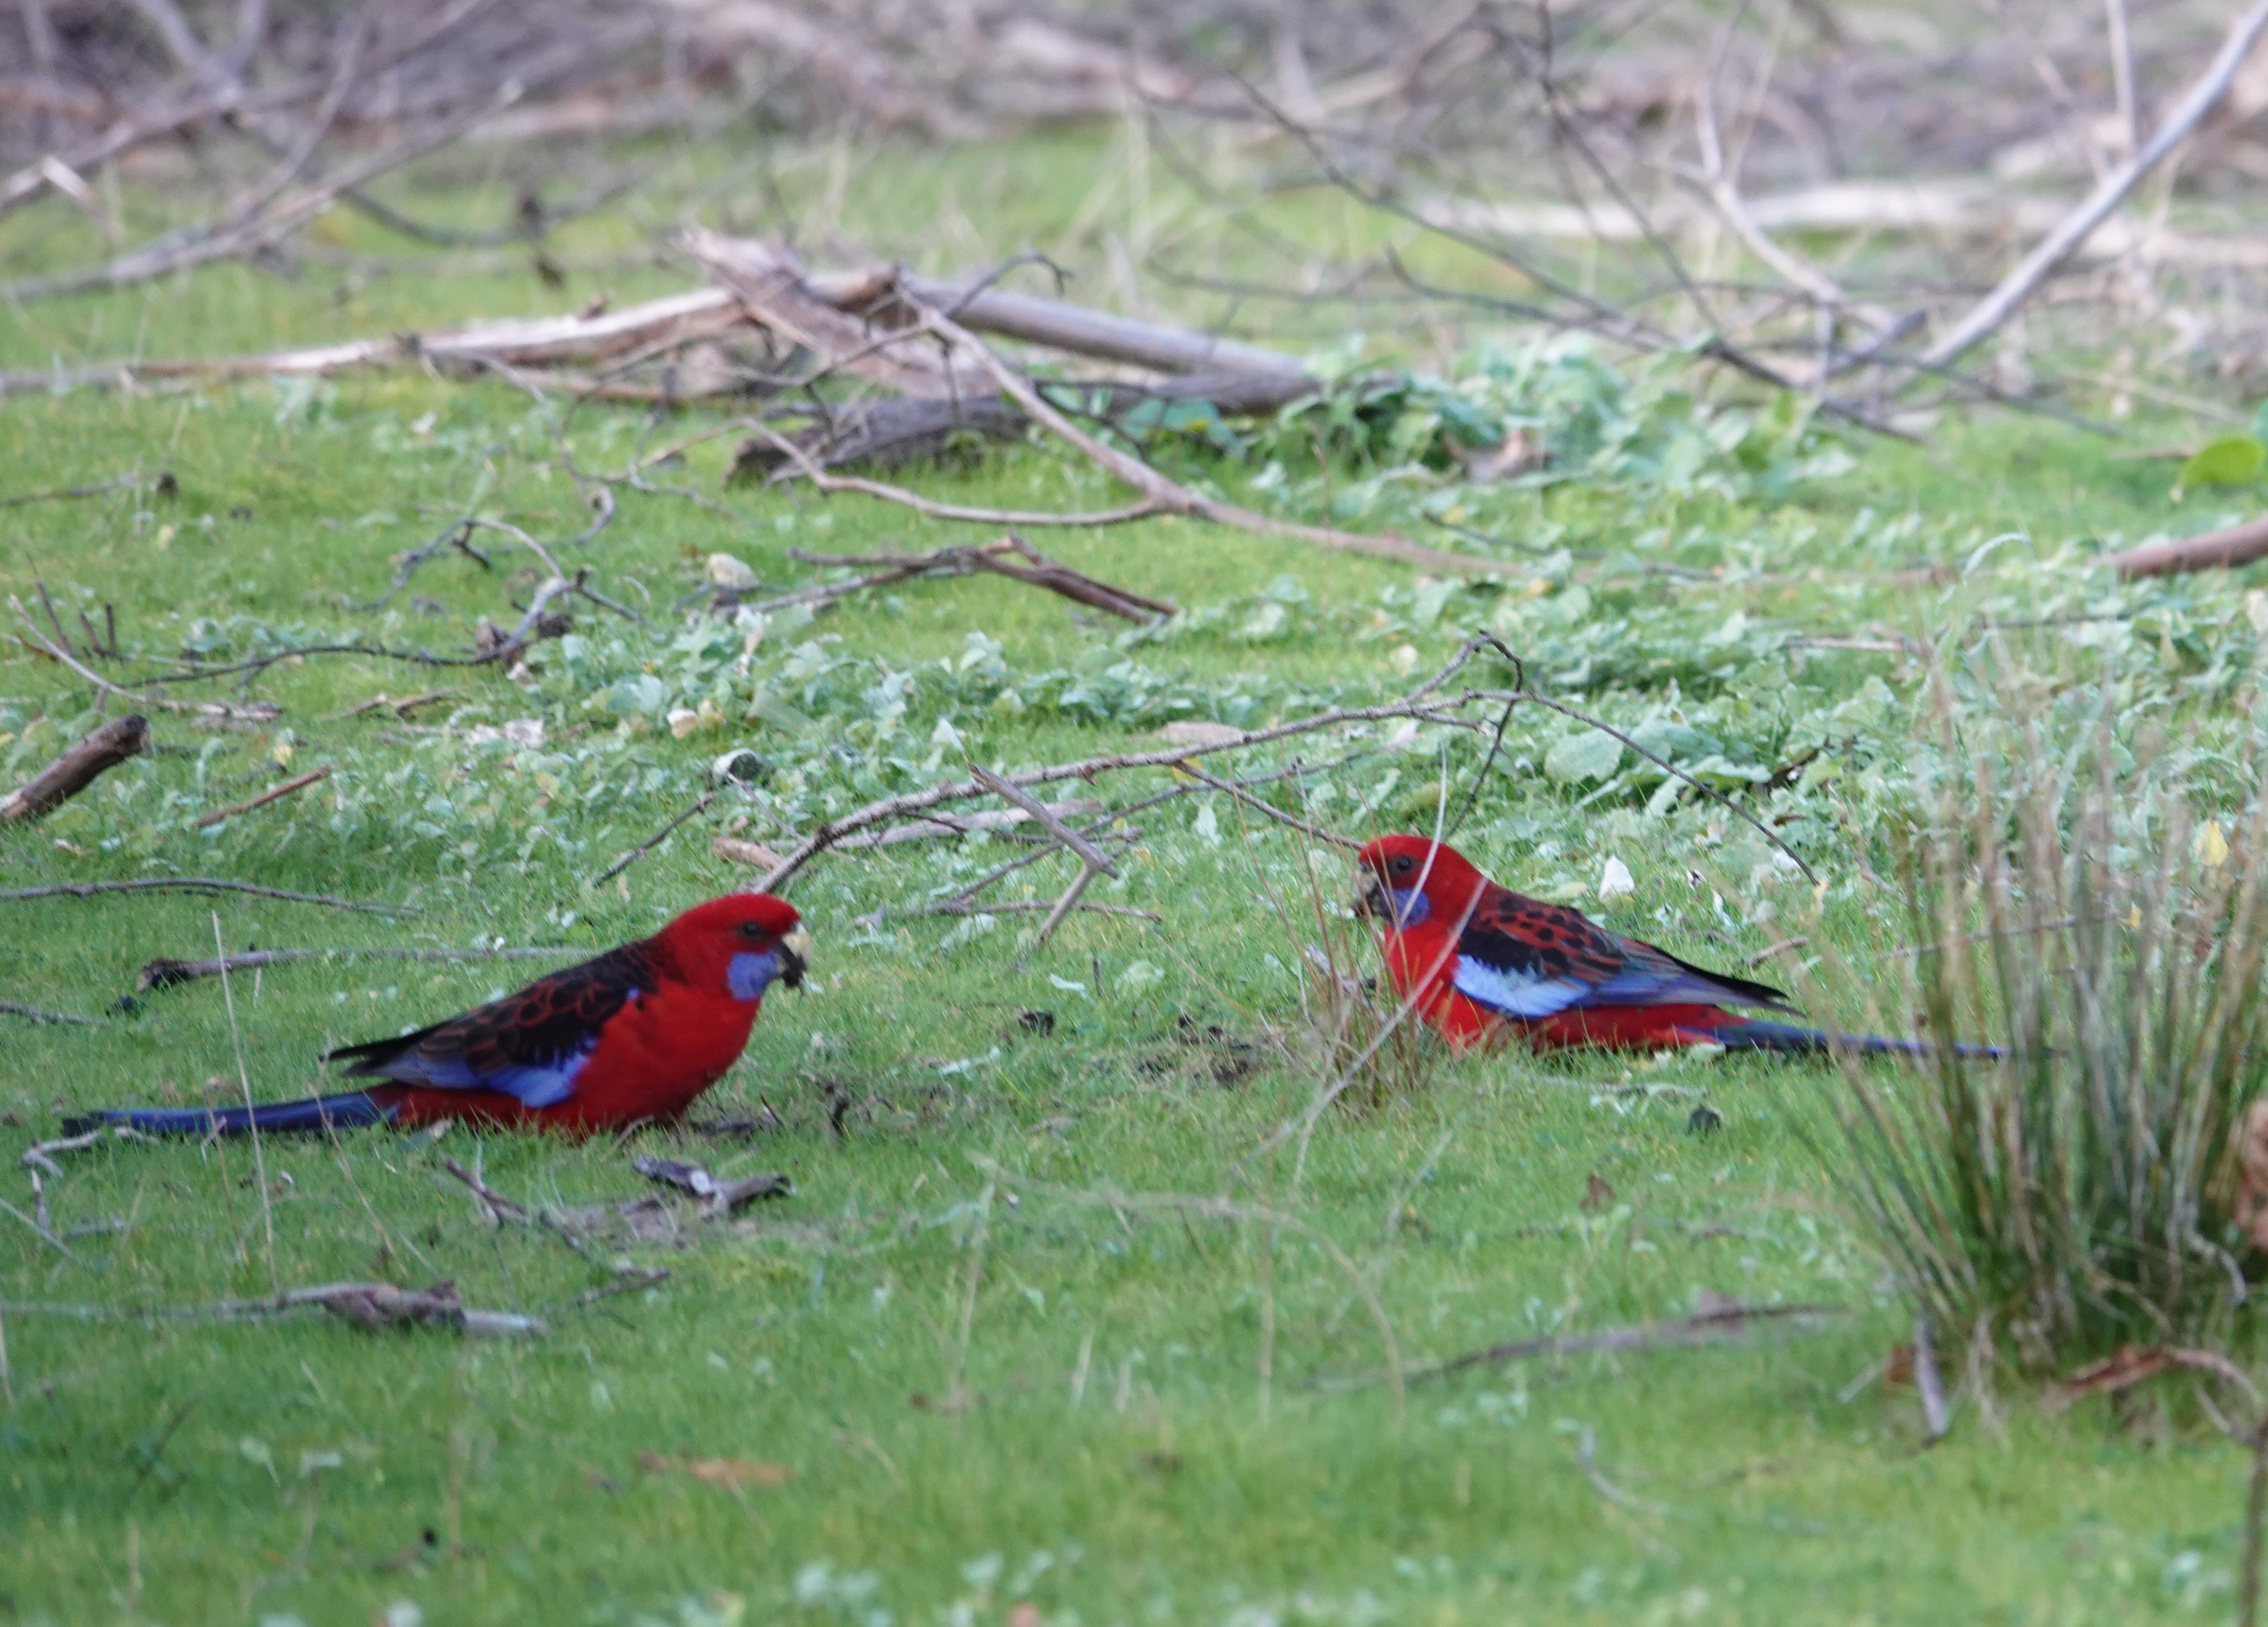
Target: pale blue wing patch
(1517, 994)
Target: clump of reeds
(2096, 909)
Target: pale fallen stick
(1995, 308)
(256, 712)
(967, 824)
(165, 972)
(273, 793)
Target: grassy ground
(979, 1383)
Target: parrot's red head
(739, 945)
(1407, 879)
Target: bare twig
(1937, 1417)
(191, 884)
(500, 1208)
(67, 492)
(1708, 1327)
(16, 1008)
(257, 711)
(164, 973)
(2024, 279)
(653, 840)
(103, 749)
(1174, 497)
(273, 793)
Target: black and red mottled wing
(530, 1045)
(1524, 958)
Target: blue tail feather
(349, 1111)
(1785, 1039)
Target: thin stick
(1707, 1327)
(1088, 854)
(251, 1116)
(192, 883)
(648, 845)
(499, 1206)
(1171, 496)
(15, 1008)
(276, 793)
(66, 493)
(1937, 1417)
(2256, 1515)
(2019, 285)
(258, 712)
(165, 972)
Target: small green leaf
(1589, 755)
(2232, 460)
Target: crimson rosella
(636, 1033)
(1479, 962)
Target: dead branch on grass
(273, 793)
(77, 769)
(191, 884)
(993, 558)
(32, 1013)
(167, 973)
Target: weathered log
(77, 769)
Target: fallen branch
(2212, 551)
(375, 1305)
(273, 793)
(1709, 1327)
(257, 711)
(720, 1198)
(500, 1208)
(77, 769)
(989, 558)
(166, 973)
(2111, 191)
(1172, 497)
(969, 824)
(32, 1013)
(191, 884)
(651, 842)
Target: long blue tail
(349, 1111)
(1785, 1038)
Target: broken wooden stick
(1711, 1326)
(992, 558)
(1988, 313)
(273, 793)
(254, 711)
(2212, 550)
(70, 774)
(376, 1305)
(720, 1198)
(165, 972)
(967, 824)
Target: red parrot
(1483, 962)
(636, 1033)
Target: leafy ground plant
(2101, 911)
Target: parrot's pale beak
(1370, 897)
(795, 957)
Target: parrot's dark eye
(1402, 862)
(749, 929)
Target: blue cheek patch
(750, 974)
(1411, 906)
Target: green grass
(180, 1470)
